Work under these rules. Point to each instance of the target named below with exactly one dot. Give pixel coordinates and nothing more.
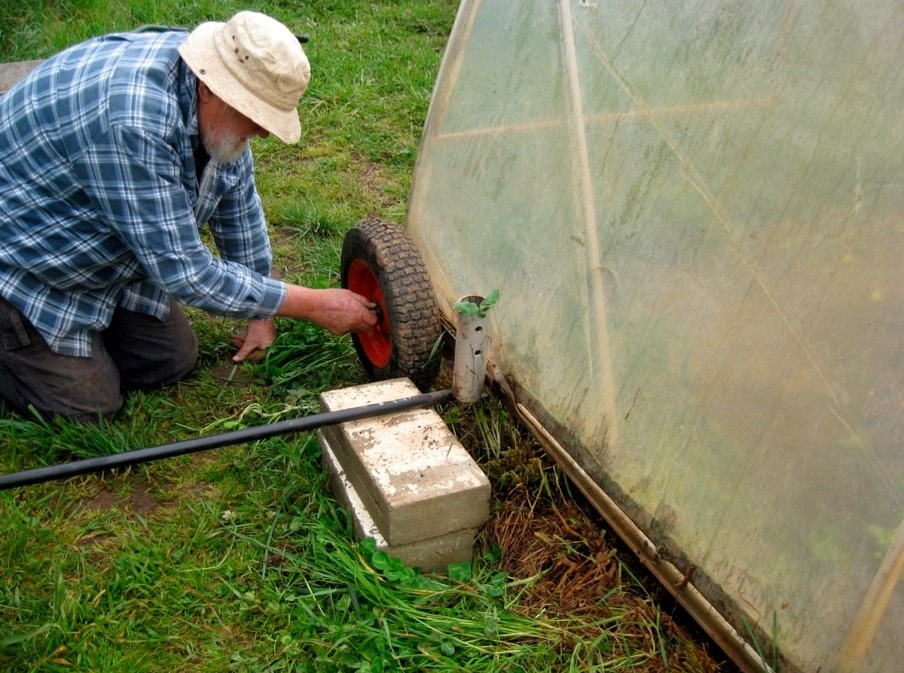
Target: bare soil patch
(138, 501)
(578, 570)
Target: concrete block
(413, 475)
(431, 555)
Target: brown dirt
(578, 571)
(138, 501)
(234, 376)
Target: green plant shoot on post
(473, 308)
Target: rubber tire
(380, 262)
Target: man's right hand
(336, 310)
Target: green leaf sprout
(470, 308)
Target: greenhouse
(693, 216)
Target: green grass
(239, 559)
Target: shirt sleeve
(134, 179)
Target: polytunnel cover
(693, 213)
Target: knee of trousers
(88, 399)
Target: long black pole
(101, 463)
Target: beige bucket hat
(254, 64)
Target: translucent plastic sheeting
(695, 215)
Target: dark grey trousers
(136, 351)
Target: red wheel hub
(377, 343)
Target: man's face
(225, 132)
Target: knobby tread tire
(414, 325)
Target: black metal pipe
(101, 463)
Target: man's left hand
(253, 344)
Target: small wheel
(381, 263)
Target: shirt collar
(190, 100)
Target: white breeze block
(431, 555)
(414, 477)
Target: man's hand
(253, 344)
(338, 311)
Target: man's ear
(204, 92)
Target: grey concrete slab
(431, 555)
(412, 473)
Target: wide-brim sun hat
(256, 65)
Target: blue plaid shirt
(100, 203)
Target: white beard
(226, 147)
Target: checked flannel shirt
(100, 203)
